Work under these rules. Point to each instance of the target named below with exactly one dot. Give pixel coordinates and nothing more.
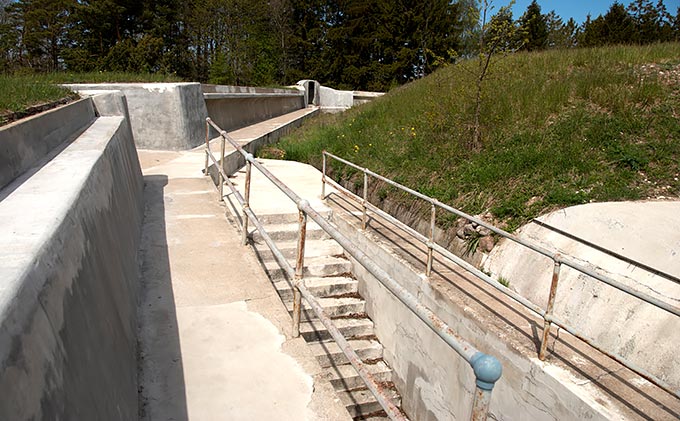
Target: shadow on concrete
(162, 391)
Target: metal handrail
(558, 260)
(487, 369)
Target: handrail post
(246, 204)
(430, 249)
(487, 371)
(223, 142)
(207, 146)
(364, 216)
(323, 175)
(299, 265)
(549, 309)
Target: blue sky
(577, 9)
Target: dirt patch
(7, 117)
(668, 74)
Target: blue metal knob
(487, 370)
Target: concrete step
(319, 287)
(313, 248)
(333, 307)
(289, 232)
(345, 377)
(314, 330)
(329, 353)
(362, 402)
(321, 266)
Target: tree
(652, 23)
(534, 26)
(101, 25)
(615, 27)
(499, 34)
(10, 35)
(560, 34)
(618, 26)
(40, 27)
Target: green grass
(20, 91)
(560, 128)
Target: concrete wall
(436, 383)
(69, 282)
(622, 324)
(234, 107)
(166, 116)
(334, 100)
(24, 143)
(233, 160)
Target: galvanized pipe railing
(558, 260)
(487, 369)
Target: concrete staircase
(327, 274)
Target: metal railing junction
(558, 261)
(487, 369)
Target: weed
(471, 244)
(503, 281)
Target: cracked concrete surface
(214, 336)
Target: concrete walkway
(214, 336)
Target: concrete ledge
(69, 292)
(24, 143)
(168, 116)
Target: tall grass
(559, 128)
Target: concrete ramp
(215, 339)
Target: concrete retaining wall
(169, 116)
(233, 160)
(234, 107)
(435, 382)
(69, 292)
(24, 143)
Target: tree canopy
(352, 44)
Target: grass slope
(559, 128)
(21, 91)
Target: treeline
(642, 22)
(354, 44)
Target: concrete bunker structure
(68, 310)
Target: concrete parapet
(333, 100)
(24, 143)
(234, 107)
(362, 97)
(69, 292)
(168, 116)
